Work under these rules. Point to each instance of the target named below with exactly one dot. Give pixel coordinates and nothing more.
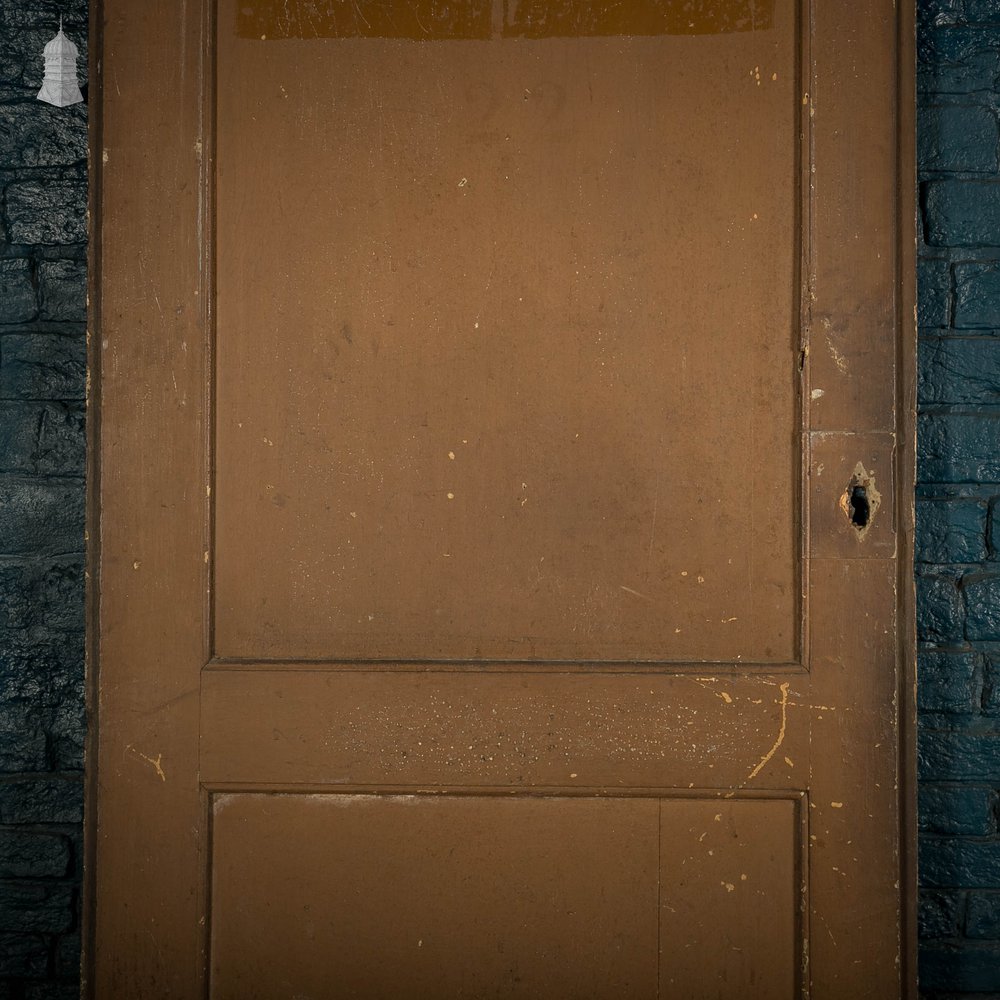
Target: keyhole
(860, 501)
(860, 507)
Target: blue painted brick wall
(958, 496)
(43, 200)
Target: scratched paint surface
(735, 733)
(361, 181)
(528, 323)
(435, 20)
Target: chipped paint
(154, 762)
(429, 21)
(762, 763)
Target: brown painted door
(504, 432)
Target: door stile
(150, 353)
(860, 384)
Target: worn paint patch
(762, 763)
(155, 762)
(430, 20)
(555, 19)
(438, 20)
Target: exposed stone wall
(43, 235)
(958, 496)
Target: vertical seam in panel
(659, 889)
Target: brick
(951, 531)
(959, 447)
(979, 72)
(12, 62)
(939, 608)
(970, 968)
(42, 438)
(17, 292)
(16, 610)
(23, 746)
(33, 662)
(993, 528)
(981, 12)
(44, 15)
(62, 444)
(19, 437)
(47, 593)
(957, 862)
(76, 846)
(939, 914)
(982, 606)
(933, 292)
(68, 956)
(56, 592)
(962, 213)
(949, 682)
(37, 665)
(63, 290)
(41, 517)
(35, 134)
(952, 56)
(23, 955)
(977, 296)
(959, 370)
(959, 809)
(957, 137)
(939, 13)
(33, 855)
(66, 730)
(947, 45)
(991, 686)
(53, 213)
(51, 991)
(944, 755)
(45, 679)
(42, 366)
(983, 915)
(41, 800)
(35, 906)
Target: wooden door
(503, 462)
